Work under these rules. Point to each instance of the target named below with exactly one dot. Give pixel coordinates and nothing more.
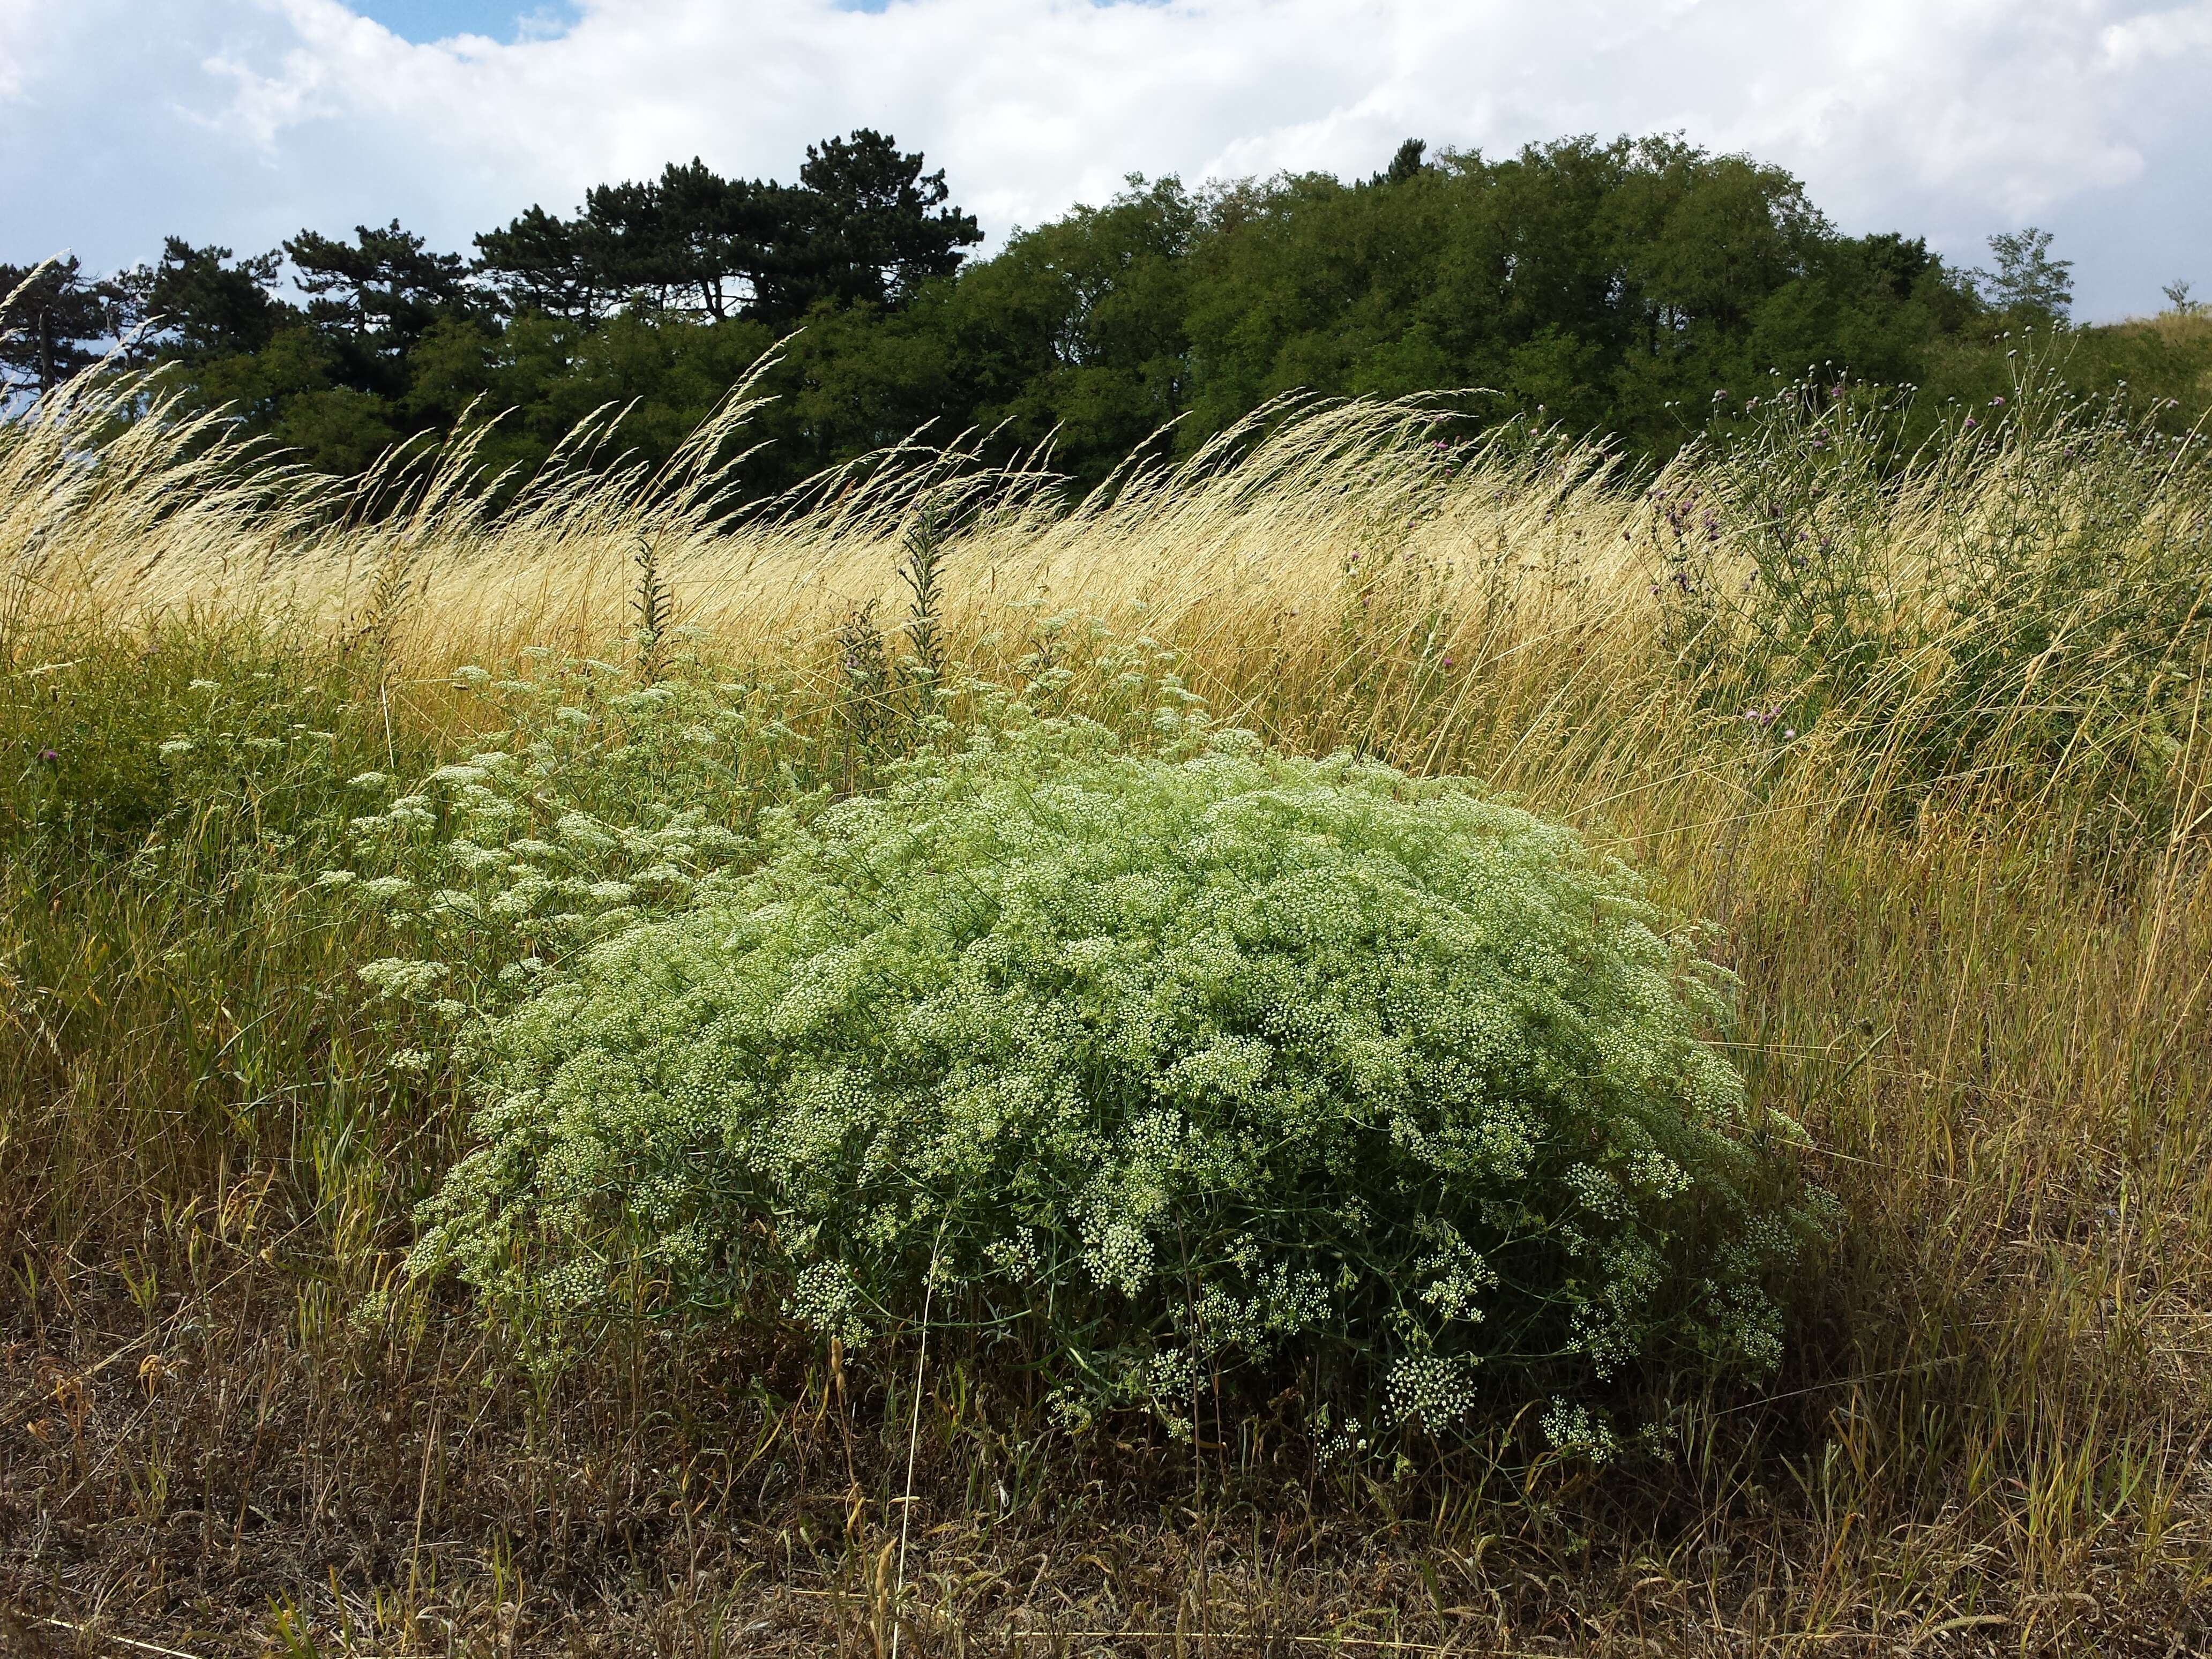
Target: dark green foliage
(864, 224)
(200, 305)
(874, 226)
(217, 726)
(55, 327)
(2027, 281)
(386, 283)
(2054, 618)
(1634, 287)
(539, 264)
(1406, 163)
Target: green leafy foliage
(219, 740)
(1142, 1067)
(1610, 288)
(2024, 594)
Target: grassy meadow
(1923, 735)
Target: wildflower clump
(1146, 1069)
(594, 802)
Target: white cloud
(240, 120)
(2179, 33)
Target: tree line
(1631, 287)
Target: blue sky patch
(423, 21)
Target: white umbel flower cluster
(1160, 1066)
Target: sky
(242, 121)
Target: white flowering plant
(1146, 1068)
(600, 802)
(589, 802)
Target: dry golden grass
(1969, 902)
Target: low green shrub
(1141, 1069)
(585, 803)
(115, 747)
(2018, 610)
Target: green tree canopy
(1640, 287)
(200, 303)
(2026, 278)
(56, 325)
(864, 224)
